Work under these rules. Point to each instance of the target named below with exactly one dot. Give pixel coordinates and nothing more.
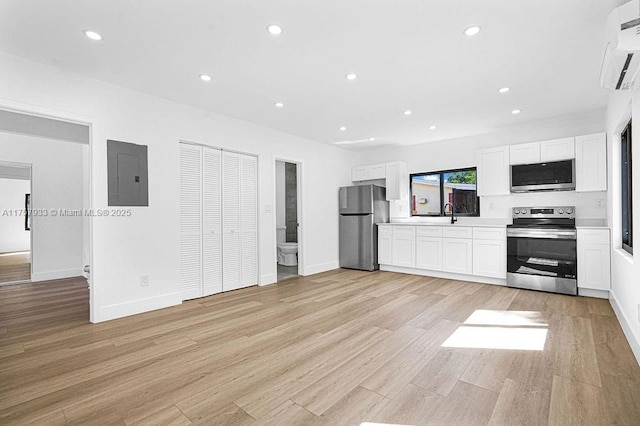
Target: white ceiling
(408, 54)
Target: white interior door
(231, 276)
(190, 221)
(211, 221)
(249, 219)
(218, 221)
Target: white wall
(56, 184)
(280, 194)
(13, 236)
(147, 242)
(459, 153)
(625, 269)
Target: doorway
(288, 245)
(15, 223)
(57, 149)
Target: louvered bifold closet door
(249, 219)
(211, 221)
(231, 221)
(190, 221)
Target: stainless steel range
(541, 249)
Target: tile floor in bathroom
(285, 272)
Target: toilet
(287, 252)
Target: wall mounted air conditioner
(621, 61)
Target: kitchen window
(626, 189)
(430, 191)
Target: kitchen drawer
(404, 231)
(490, 233)
(457, 232)
(429, 231)
(385, 230)
(593, 236)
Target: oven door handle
(556, 234)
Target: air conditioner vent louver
(621, 61)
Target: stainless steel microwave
(549, 176)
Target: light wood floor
(15, 267)
(335, 348)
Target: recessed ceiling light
(372, 139)
(432, 127)
(343, 128)
(471, 31)
(279, 104)
(351, 76)
(205, 77)
(516, 111)
(407, 112)
(504, 89)
(274, 29)
(93, 35)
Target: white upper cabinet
(397, 181)
(359, 173)
(557, 149)
(395, 173)
(526, 153)
(537, 152)
(591, 163)
(377, 171)
(493, 171)
(373, 171)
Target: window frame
(626, 142)
(442, 203)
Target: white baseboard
(321, 267)
(600, 294)
(14, 248)
(139, 306)
(56, 275)
(268, 279)
(446, 275)
(634, 342)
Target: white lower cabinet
(429, 253)
(404, 246)
(478, 251)
(457, 255)
(490, 252)
(385, 233)
(594, 262)
(489, 258)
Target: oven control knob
(523, 211)
(560, 211)
(569, 211)
(516, 211)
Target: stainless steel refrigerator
(361, 207)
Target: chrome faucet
(453, 219)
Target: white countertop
(446, 221)
(592, 223)
(584, 223)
